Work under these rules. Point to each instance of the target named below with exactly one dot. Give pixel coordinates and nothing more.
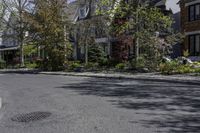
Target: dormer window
(194, 12)
(83, 12)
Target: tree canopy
(150, 28)
(49, 28)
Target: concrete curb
(170, 79)
(192, 80)
(0, 102)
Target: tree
(89, 28)
(96, 54)
(143, 21)
(2, 12)
(47, 25)
(16, 9)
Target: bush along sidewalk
(176, 67)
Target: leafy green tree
(143, 21)
(2, 12)
(16, 9)
(29, 50)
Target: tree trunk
(137, 49)
(137, 46)
(86, 53)
(21, 34)
(22, 54)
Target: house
(87, 25)
(124, 47)
(9, 41)
(190, 26)
(116, 47)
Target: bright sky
(173, 5)
(70, 1)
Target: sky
(70, 1)
(173, 5)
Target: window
(194, 45)
(197, 12)
(191, 13)
(82, 50)
(83, 12)
(194, 12)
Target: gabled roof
(9, 48)
(83, 10)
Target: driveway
(35, 103)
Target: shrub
(103, 62)
(197, 70)
(56, 60)
(140, 63)
(2, 64)
(91, 65)
(112, 62)
(72, 65)
(184, 69)
(39, 62)
(75, 65)
(120, 66)
(175, 68)
(31, 65)
(169, 68)
(196, 64)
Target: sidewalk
(183, 78)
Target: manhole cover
(30, 117)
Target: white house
(9, 41)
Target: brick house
(124, 47)
(190, 25)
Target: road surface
(34, 103)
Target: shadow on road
(174, 107)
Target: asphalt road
(89, 105)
